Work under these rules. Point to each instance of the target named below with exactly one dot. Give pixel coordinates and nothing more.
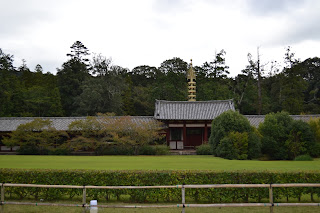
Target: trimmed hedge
(149, 178)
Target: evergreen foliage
(204, 149)
(86, 86)
(153, 177)
(230, 137)
(284, 138)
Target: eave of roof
(191, 110)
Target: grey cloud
(21, 16)
(168, 6)
(270, 7)
(302, 25)
(299, 31)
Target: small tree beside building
(232, 137)
(36, 137)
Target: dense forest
(90, 83)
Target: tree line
(87, 84)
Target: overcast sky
(147, 32)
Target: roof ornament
(191, 77)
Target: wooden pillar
(168, 136)
(184, 134)
(205, 132)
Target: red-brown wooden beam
(184, 133)
(206, 131)
(168, 136)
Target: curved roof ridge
(309, 115)
(194, 102)
(191, 110)
(29, 118)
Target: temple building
(189, 122)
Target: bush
(114, 149)
(151, 178)
(226, 149)
(147, 150)
(315, 128)
(254, 145)
(204, 149)
(29, 150)
(154, 150)
(274, 131)
(224, 124)
(303, 158)
(59, 151)
(300, 139)
(234, 146)
(284, 138)
(162, 150)
(225, 144)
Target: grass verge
(55, 209)
(152, 163)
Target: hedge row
(149, 178)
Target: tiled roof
(255, 120)
(8, 124)
(191, 110)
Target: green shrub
(59, 151)
(300, 139)
(226, 144)
(151, 178)
(303, 158)
(147, 150)
(154, 150)
(226, 149)
(274, 131)
(284, 138)
(315, 128)
(254, 145)
(162, 150)
(234, 146)
(204, 149)
(225, 123)
(30, 150)
(114, 149)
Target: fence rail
(183, 187)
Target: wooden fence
(183, 204)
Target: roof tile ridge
(256, 115)
(309, 115)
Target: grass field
(153, 163)
(182, 162)
(54, 209)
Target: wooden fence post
(183, 194)
(271, 198)
(2, 194)
(84, 202)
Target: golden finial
(191, 77)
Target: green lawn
(151, 163)
(54, 209)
